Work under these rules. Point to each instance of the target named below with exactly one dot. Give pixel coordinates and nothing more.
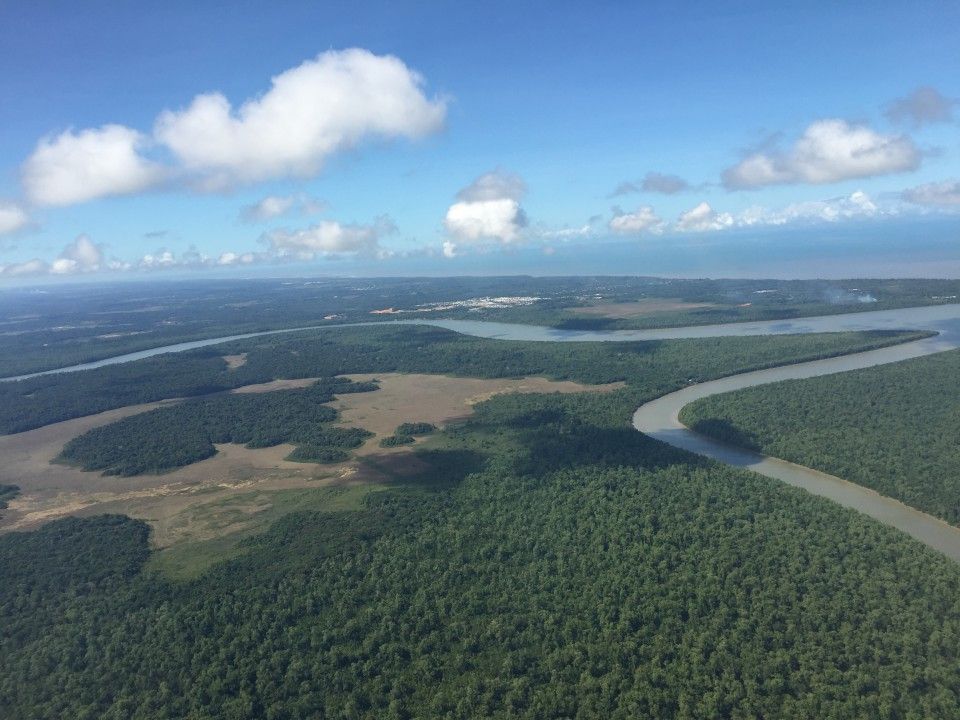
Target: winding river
(659, 418)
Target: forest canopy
(551, 563)
(893, 428)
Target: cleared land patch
(235, 361)
(651, 306)
(234, 491)
(436, 399)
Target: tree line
(892, 428)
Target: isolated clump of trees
(893, 428)
(170, 437)
(406, 434)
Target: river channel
(659, 418)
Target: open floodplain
(230, 492)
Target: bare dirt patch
(235, 361)
(276, 385)
(224, 494)
(651, 306)
(436, 399)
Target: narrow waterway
(944, 319)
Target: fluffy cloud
(76, 167)
(330, 238)
(828, 151)
(486, 210)
(923, 106)
(703, 218)
(82, 255)
(160, 259)
(276, 205)
(500, 219)
(323, 106)
(944, 194)
(641, 220)
(12, 218)
(857, 205)
(232, 258)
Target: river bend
(659, 418)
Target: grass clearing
(640, 308)
(228, 521)
(198, 513)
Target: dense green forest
(548, 561)
(551, 562)
(893, 428)
(178, 435)
(72, 324)
(656, 366)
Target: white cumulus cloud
(329, 237)
(82, 255)
(828, 151)
(857, 205)
(12, 218)
(78, 166)
(487, 210)
(323, 106)
(702, 218)
(641, 220)
(232, 258)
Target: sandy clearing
(235, 361)
(650, 306)
(276, 385)
(437, 399)
(170, 502)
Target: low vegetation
(893, 428)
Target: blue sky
(453, 138)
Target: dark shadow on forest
(722, 429)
